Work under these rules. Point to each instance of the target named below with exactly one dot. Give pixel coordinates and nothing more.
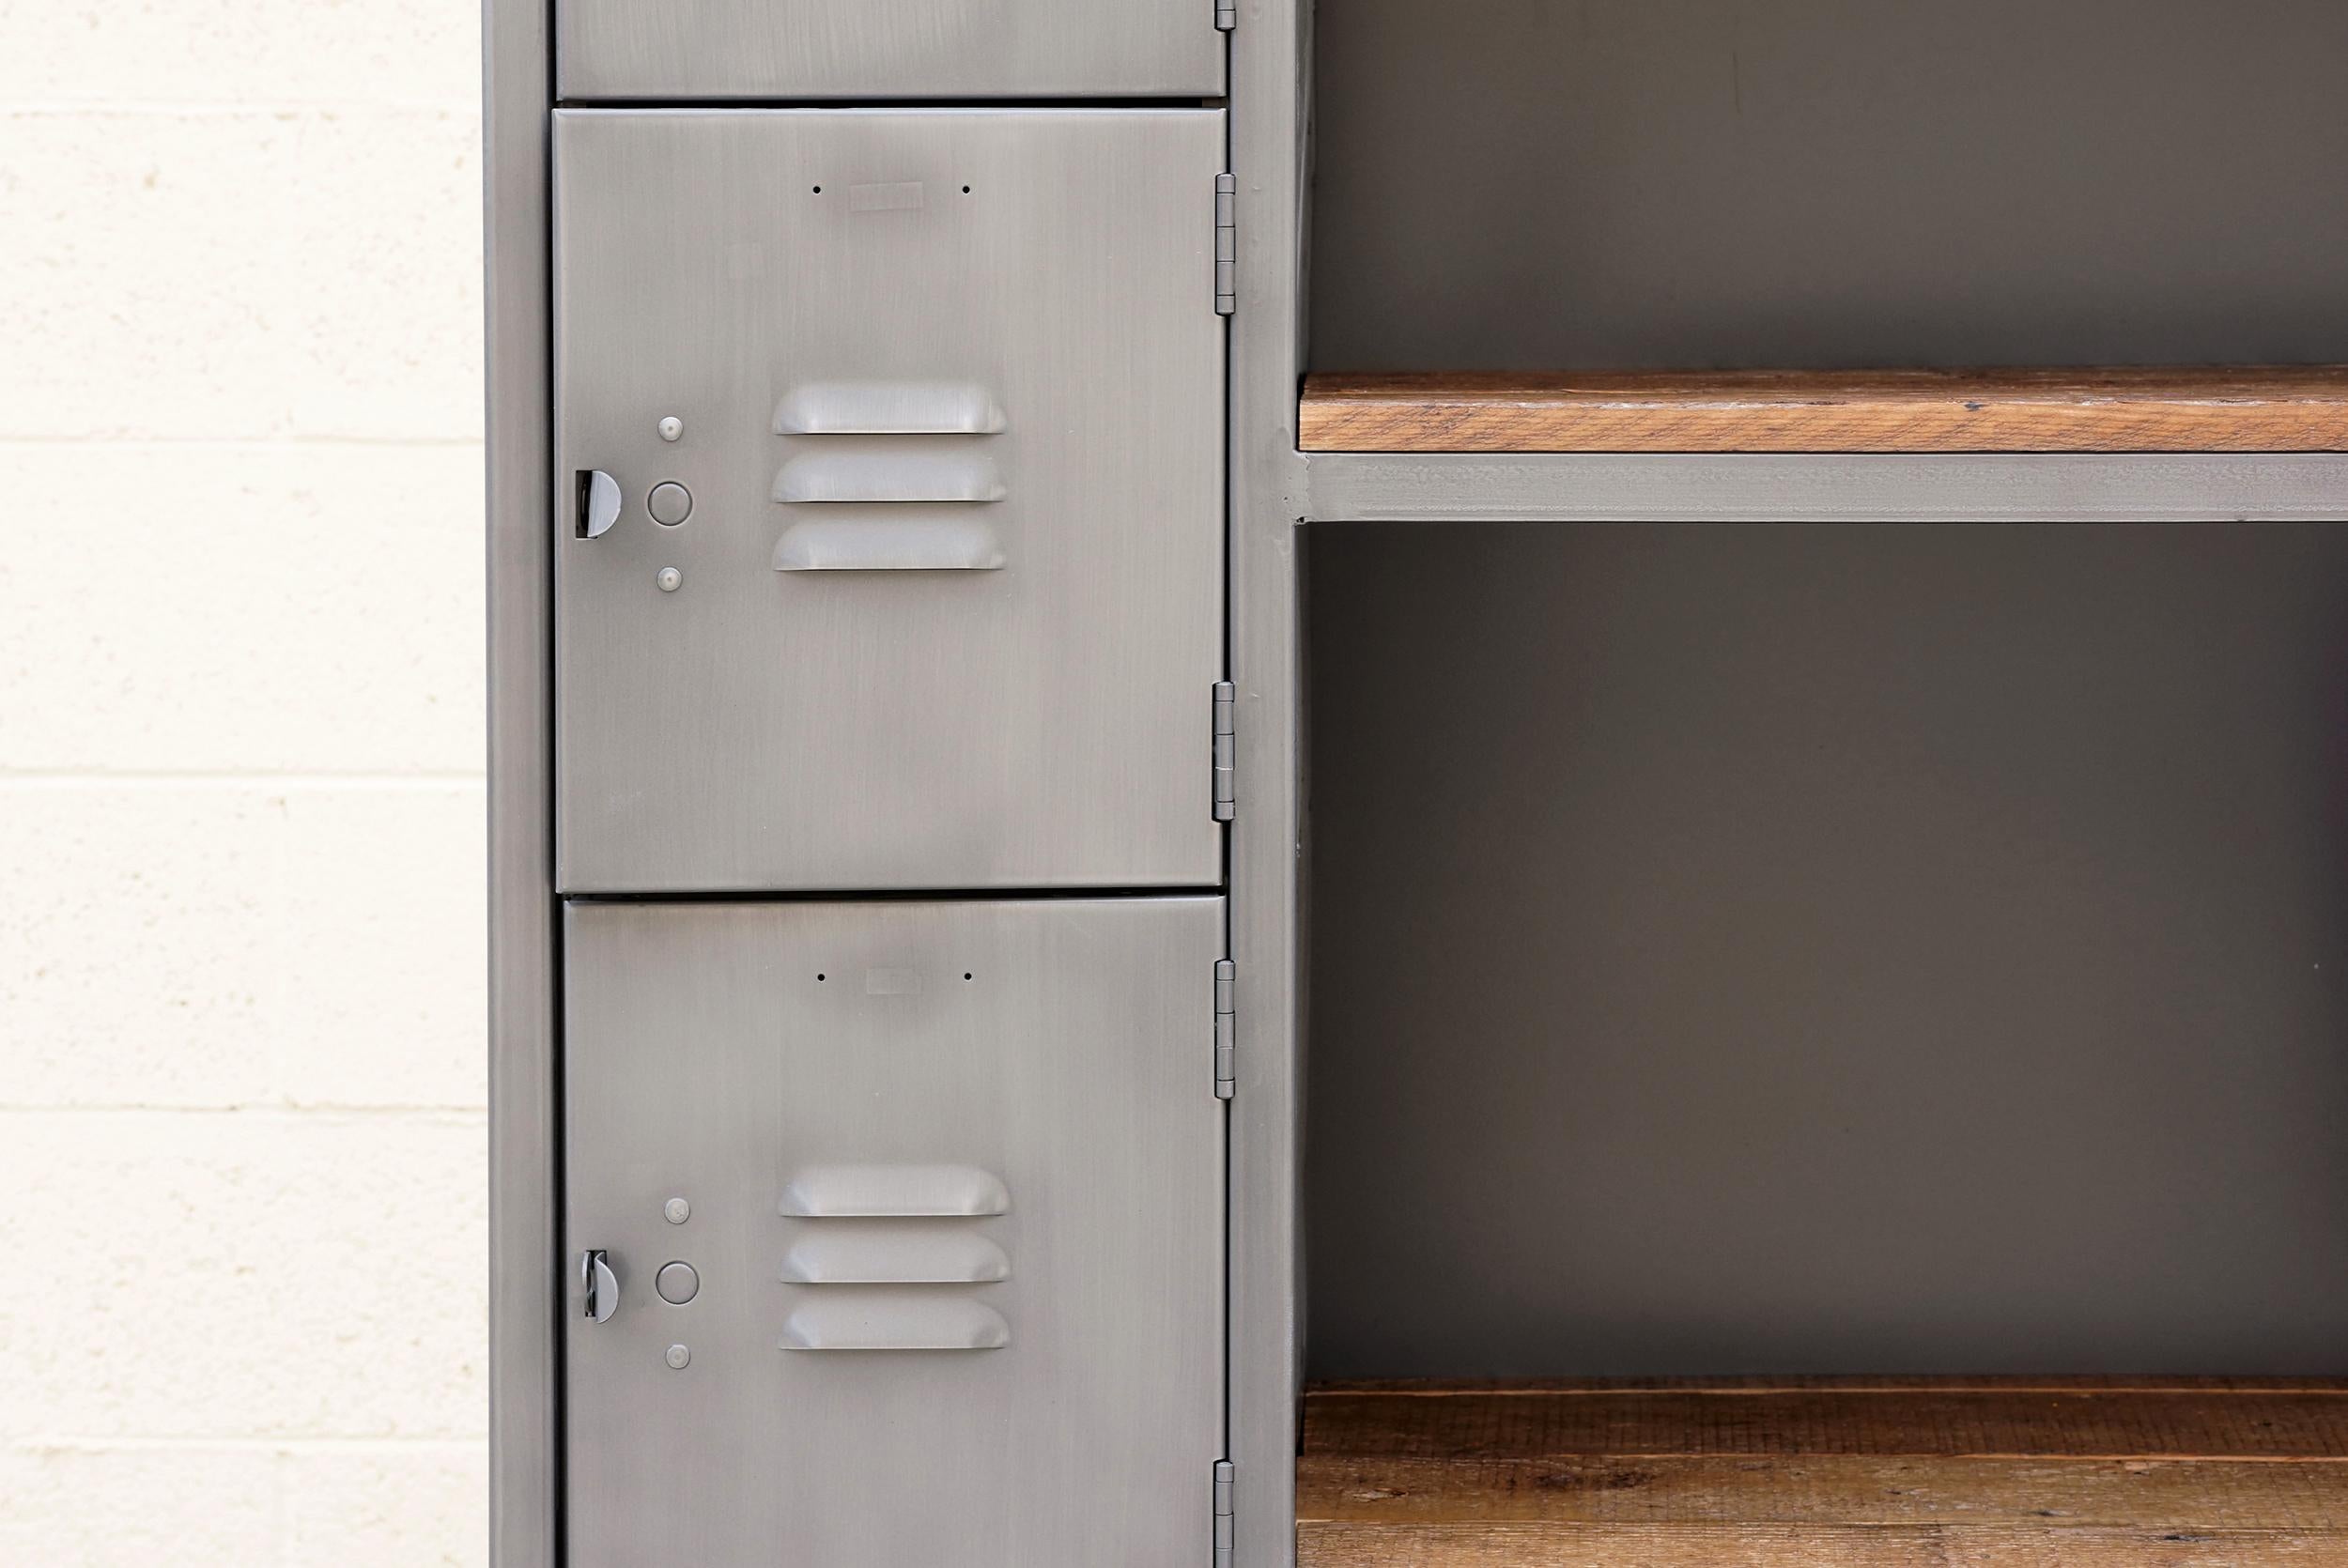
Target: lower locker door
(895, 1233)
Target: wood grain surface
(2131, 408)
(1832, 1472)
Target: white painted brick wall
(241, 1130)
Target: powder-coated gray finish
(1475, 488)
(1796, 949)
(955, 1180)
(683, 50)
(1538, 184)
(900, 342)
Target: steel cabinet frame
(1273, 489)
(529, 1298)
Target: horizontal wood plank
(1827, 1473)
(1945, 1420)
(2122, 408)
(1839, 1382)
(1836, 1489)
(1338, 1546)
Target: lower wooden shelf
(1826, 1473)
(2128, 409)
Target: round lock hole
(670, 503)
(678, 1284)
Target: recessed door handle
(598, 503)
(602, 1284)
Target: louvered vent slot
(876, 1243)
(892, 470)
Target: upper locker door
(904, 1224)
(887, 48)
(927, 589)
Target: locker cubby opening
(1540, 192)
(1828, 1045)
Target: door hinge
(1226, 796)
(1226, 1528)
(1226, 244)
(1226, 1028)
(1226, 15)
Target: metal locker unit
(890, 48)
(888, 497)
(896, 1232)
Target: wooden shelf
(2228, 408)
(1826, 1473)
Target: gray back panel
(1828, 183)
(951, 599)
(1865, 949)
(884, 49)
(955, 1180)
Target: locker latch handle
(598, 503)
(602, 1284)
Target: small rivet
(677, 1357)
(669, 579)
(671, 427)
(676, 1211)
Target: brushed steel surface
(1270, 117)
(893, 1251)
(1041, 724)
(525, 1274)
(870, 1190)
(903, 1318)
(889, 545)
(889, 408)
(1054, 1403)
(686, 50)
(871, 471)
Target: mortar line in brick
(33, 778)
(449, 1116)
(327, 440)
(36, 1447)
(98, 108)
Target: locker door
(927, 1198)
(889, 535)
(888, 49)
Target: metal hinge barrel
(1226, 244)
(1226, 1528)
(1225, 794)
(1226, 1028)
(1226, 15)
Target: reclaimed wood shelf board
(1826, 1473)
(2226, 408)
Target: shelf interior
(2124, 408)
(1826, 1473)
(1816, 184)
